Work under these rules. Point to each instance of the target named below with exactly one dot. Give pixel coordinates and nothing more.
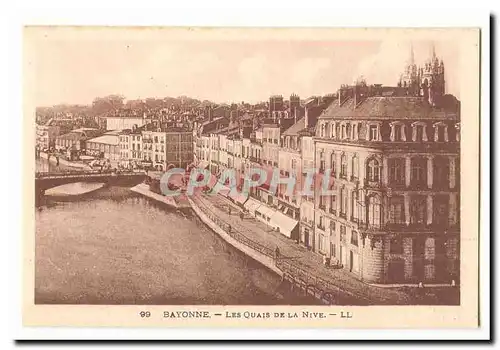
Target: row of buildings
(152, 145)
(393, 157)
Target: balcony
(333, 211)
(343, 215)
(397, 184)
(372, 184)
(418, 185)
(441, 186)
(321, 227)
(343, 176)
(322, 207)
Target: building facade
(393, 214)
(46, 136)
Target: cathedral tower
(432, 79)
(410, 79)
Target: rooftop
(387, 107)
(106, 139)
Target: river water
(113, 246)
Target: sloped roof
(106, 139)
(387, 107)
(295, 128)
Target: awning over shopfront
(285, 224)
(266, 211)
(251, 205)
(238, 197)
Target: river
(113, 246)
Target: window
(342, 233)
(322, 165)
(373, 170)
(354, 212)
(396, 171)
(440, 132)
(396, 246)
(343, 165)
(373, 132)
(321, 223)
(322, 130)
(419, 171)
(396, 210)
(355, 166)
(441, 210)
(322, 202)
(354, 238)
(441, 173)
(321, 242)
(430, 249)
(343, 201)
(332, 164)
(332, 228)
(348, 131)
(374, 212)
(419, 133)
(418, 207)
(333, 203)
(398, 132)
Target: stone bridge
(45, 181)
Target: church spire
(433, 52)
(412, 55)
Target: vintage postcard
(223, 177)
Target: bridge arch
(45, 181)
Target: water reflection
(113, 246)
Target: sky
(77, 68)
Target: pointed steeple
(412, 55)
(433, 51)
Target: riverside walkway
(296, 260)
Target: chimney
(356, 95)
(306, 117)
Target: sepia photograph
(247, 168)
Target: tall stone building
(393, 215)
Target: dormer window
(419, 132)
(373, 132)
(322, 130)
(355, 129)
(398, 131)
(440, 132)
(333, 131)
